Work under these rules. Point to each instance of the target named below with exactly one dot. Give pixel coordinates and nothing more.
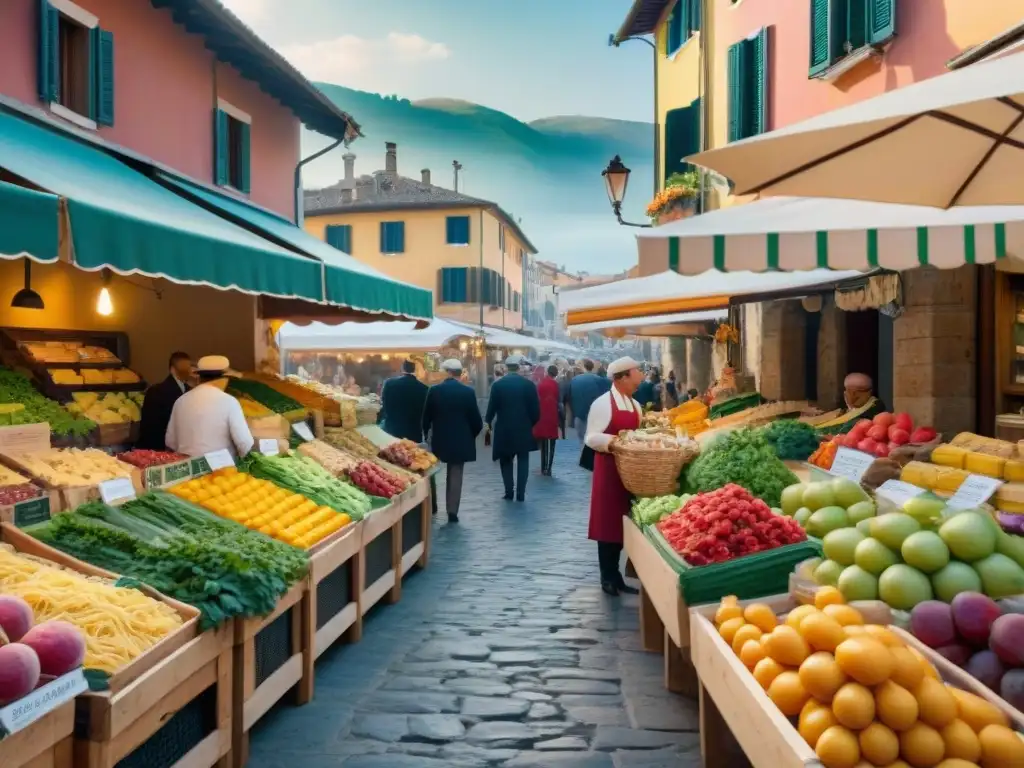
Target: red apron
(609, 499)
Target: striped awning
(798, 233)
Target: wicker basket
(647, 471)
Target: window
(339, 236)
(232, 148)
(75, 64)
(682, 23)
(501, 238)
(392, 237)
(842, 27)
(748, 86)
(682, 137)
(457, 230)
(455, 285)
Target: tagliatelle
(119, 623)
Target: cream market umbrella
(955, 139)
(801, 233)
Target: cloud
(250, 11)
(341, 59)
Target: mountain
(546, 172)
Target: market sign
(165, 475)
(42, 701)
(28, 512)
(974, 491)
(851, 464)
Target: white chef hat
(452, 364)
(622, 365)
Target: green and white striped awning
(793, 233)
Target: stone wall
(782, 365)
(831, 356)
(934, 343)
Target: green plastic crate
(752, 576)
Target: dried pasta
(119, 623)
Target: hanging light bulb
(104, 304)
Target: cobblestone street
(503, 652)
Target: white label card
(898, 492)
(269, 446)
(118, 489)
(220, 459)
(852, 464)
(43, 700)
(302, 430)
(974, 491)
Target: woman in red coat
(545, 431)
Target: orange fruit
(922, 746)
(949, 762)
(766, 670)
(927, 666)
(907, 670)
(730, 627)
(828, 596)
(788, 693)
(822, 632)
(728, 609)
(884, 634)
(844, 614)
(864, 659)
(761, 616)
(786, 646)
(977, 712)
(816, 723)
(895, 706)
(743, 634)
(854, 706)
(1000, 747)
(879, 745)
(798, 614)
(837, 747)
(961, 741)
(856, 630)
(751, 653)
(821, 676)
(812, 705)
(935, 703)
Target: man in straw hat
(208, 419)
(611, 413)
(452, 422)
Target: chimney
(390, 157)
(346, 195)
(350, 168)
(425, 175)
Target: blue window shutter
(694, 15)
(48, 53)
(383, 237)
(881, 21)
(758, 98)
(457, 230)
(244, 145)
(446, 284)
(103, 76)
(400, 233)
(449, 227)
(221, 149)
(339, 236)
(460, 284)
(821, 46)
(737, 89)
(857, 21)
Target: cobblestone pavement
(503, 652)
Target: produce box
(733, 706)
(67, 497)
(46, 743)
(306, 397)
(30, 511)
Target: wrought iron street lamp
(616, 179)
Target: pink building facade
(167, 85)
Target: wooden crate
(734, 709)
(664, 617)
(44, 744)
(414, 527)
(381, 559)
(335, 589)
(270, 659)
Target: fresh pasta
(119, 623)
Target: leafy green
(15, 388)
(263, 394)
(302, 475)
(651, 510)
(792, 440)
(219, 566)
(746, 458)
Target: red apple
(883, 419)
(903, 421)
(878, 432)
(867, 445)
(898, 435)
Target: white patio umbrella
(800, 233)
(955, 139)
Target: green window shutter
(459, 285)
(244, 151)
(881, 21)
(738, 80)
(457, 230)
(758, 96)
(693, 145)
(821, 54)
(384, 237)
(48, 53)
(694, 15)
(680, 139)
(856, 25)
(674, 36)
(221, 149)
(339, 236)
(102, 49)
(400, 236)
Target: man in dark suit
(402, 400)
(159, 402)
(515, 404)
(451, 419)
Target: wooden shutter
(459, 285)
(221, 148)
(738, 81)
(48, 53)
(103, 76)
(881, 21)
(457, 230)
(821, 51)
(856, 25)
(449, 230)
(244, 151)
(339, 236)
(694, 14)
(384, 237)
(758, 97)
(680, 138)
(400, 237)
(674, 36)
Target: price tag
(43, 700)
(851, 464)
(302, 430)
(269, 447)
(118, 489)
(898, 492)
(219, 459)
(974, 491)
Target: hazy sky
(529, 58)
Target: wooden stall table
(380, 564)
(334, 573)
(46, 743)
(415, 524)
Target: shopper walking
(159, 402)
(671, 391)
(402, 399)
(545, 432)
(512, 410)
(610, 414)
(452, 422)
(583, 391)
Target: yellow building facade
(467, 251)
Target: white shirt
(205, 420)
(600, 417)
(179, 382)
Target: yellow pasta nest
(119, 624)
